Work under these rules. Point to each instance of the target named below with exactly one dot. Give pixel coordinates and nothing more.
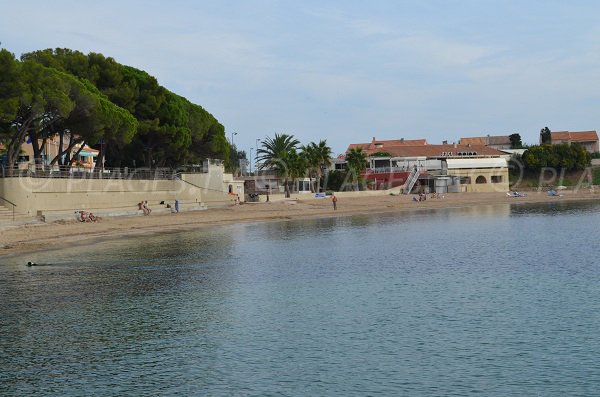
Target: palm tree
(323, 154)
(297, 165)
(318, 158)
(309, 155)
(357, 162)
(275, 155)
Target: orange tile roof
(363, 146)
(473, 141)
(384, 146)
(401, 142)
(442, 150)
(574, 136)
(486, 140)
(499, 140)
(420, 148)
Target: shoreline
(35, 238)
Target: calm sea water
(494, 301)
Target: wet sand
(40, 236)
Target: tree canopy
(121, 110)
(357, 162)
(562, 156)
(545, 135)
(40, 101)
(515, 141)
(318, 158)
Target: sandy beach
(39, 236)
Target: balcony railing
(382, 170)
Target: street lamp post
(251, 160)
(234, 155)
(256, 166)
(257, 144)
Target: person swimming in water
(30, 264)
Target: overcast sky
(345, 71)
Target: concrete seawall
(58, 198)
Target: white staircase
(411, 180)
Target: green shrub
(596, 176)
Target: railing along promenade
(66, 172)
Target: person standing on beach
(334, 201)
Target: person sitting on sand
(83, 216)
(142, 206)
(145, 208)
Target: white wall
(35, 195)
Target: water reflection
(556, 208)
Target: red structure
(385, 180)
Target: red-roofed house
(434, 168)
(588, 139)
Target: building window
(496, 178)
(465, 180)
(480, 180)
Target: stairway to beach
(7, 218)
(6, 214)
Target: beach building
(588, 139)
(267, 182)
(337, 163)
(429, 168)
(83, 157)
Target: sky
(345, 71)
